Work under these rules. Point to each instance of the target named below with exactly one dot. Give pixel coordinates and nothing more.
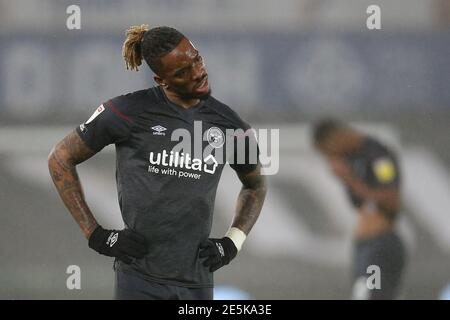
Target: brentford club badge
(215, 137)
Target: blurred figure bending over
(370, 173)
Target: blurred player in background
(370, 173)
(166, 198)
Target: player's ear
(160, 81)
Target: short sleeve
(108, 124)
(244, 157)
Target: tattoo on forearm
(86, 218)
(57, 157)
(62, 161)
(250, 201)
(68, 186)
(57, 176)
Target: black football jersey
(375, 165)
(168, 164)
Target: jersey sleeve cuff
(79, 130)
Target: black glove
(218, 252)
(125, 245)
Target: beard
(201, 96)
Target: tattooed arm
(250, 200)
(62, 162)
(219, 252)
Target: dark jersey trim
(86, 141)
(114, 109)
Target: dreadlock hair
(150, 45)
(324, 128)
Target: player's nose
(199, 72)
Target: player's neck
(182, 102)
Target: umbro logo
(159, 130)
(220, 248)
(112, 239)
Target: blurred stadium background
(280, 64)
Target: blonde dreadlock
(150, 45)
(132, 47)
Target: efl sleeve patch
(384, 170)
(104, 127)
(97, 111)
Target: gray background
(279, 64)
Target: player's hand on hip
(218, 252)
(125, 245)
